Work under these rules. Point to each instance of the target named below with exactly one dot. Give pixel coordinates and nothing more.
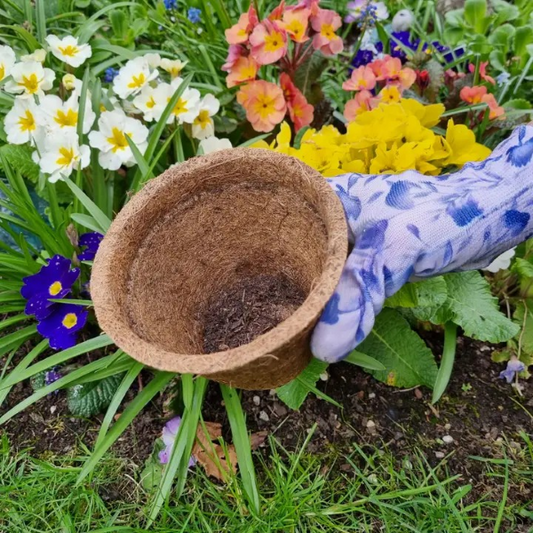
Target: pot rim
(119, 329)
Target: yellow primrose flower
(390, 94)
(428, 115)
(463, 145)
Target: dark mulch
(478, 411)
(248, 309)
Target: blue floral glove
(410, 226)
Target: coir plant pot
(203, 226)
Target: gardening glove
(410, 226)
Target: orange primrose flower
(361, 102)
(244, 69)
(239, 33)
(325, 23)
(379, 68)
(473, 95)
(495, 110)
(482, 72)
(363, 78)
(277, 13)
(295, 24)
(264, 104)
(235, 51)
(300, 110)
(269, 42)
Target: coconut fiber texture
(198, 229)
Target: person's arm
(411, 226)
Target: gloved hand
(410, 226)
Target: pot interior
(228, 227)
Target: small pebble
(370, 424)
(447, 427)
(371, 395)
(439, 455)
(53, 409)
(263, 416)
(324, 376)
(256, 400)
(447, 439)
(372, 478)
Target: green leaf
(446, 364)
(295, 392)
(431, 294)
(502, 37)
(364, 361)
(517, 103)
(99, 216)
(472, 306)
(92, 398)
(406, 297)
(474, 13)
(407, 360)
(19, 157)
(86, 221)
(523, 37)
(119, 23)
(523, 316)
(523, 268)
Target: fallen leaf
(256, 439)
(211, 455)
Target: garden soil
(476, 416)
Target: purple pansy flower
(513, 367)
(61, 326)
(54, 280)
(51, 376)
(90, 241)
(169, 436)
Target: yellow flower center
(295, 27)
(55, 288)
(67, 157)
(70, 118)
(180, 107)
(327, 31)
(70, 320)
(118, 140)
(174, 71)
(273, 42)
(203, 119)
(2, 71)
(151, 103)
(362, 82)
(137, 81)
(30, 83)
(242, 33)
(69, 50)
(264, 105)
(27, 121)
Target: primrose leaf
(91, 398)
(407, 360)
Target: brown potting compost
(242, 312)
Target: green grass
(366, 491)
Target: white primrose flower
(56, 114)
(146, 103)
(7, 60)
(30, 79)
(203, 125)
(21, 122)
(39, 55)
(173, 67)
(111, 140)
(70, 82)
(62, 154)
(68, 50)
(132, 77)
(186, 108)
(212, 144)
(502, 262)
(153, 60)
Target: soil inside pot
(242, 312)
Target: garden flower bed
(177, 185)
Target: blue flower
(513, 367)
(194, 15)
(503, 78)
(61, 325)
(170, 4)
(110, 74)
(91, 241)
(54, 280)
